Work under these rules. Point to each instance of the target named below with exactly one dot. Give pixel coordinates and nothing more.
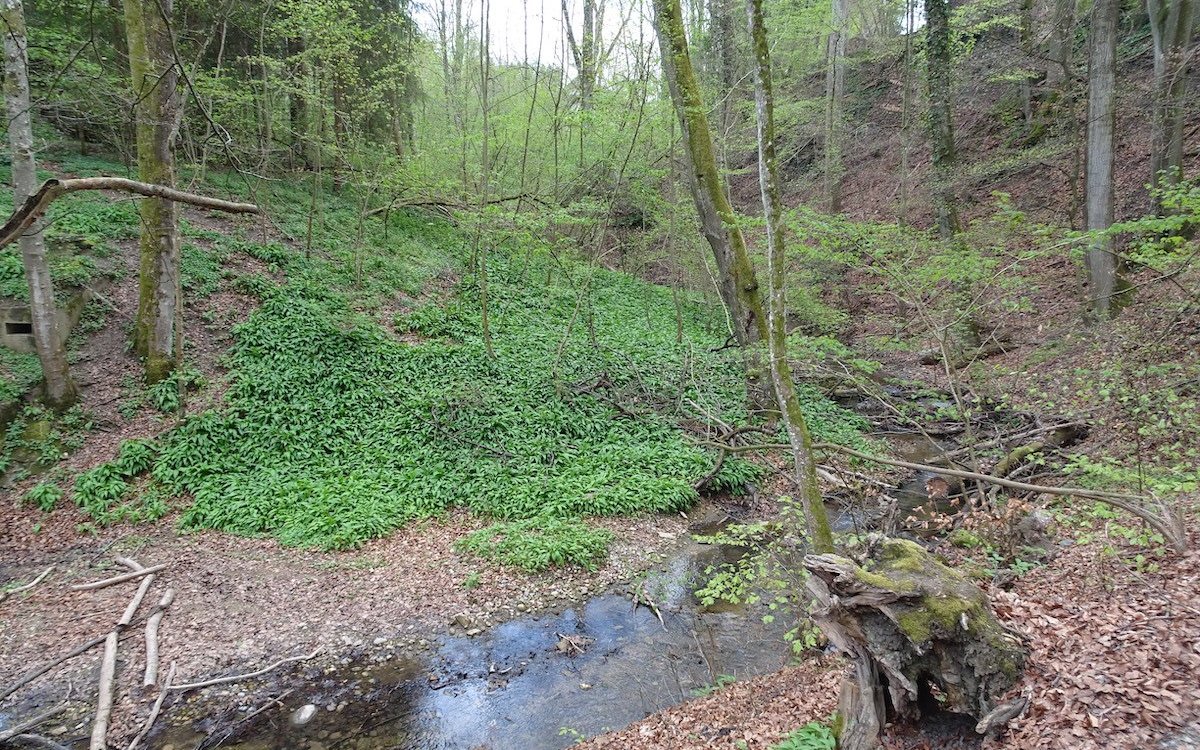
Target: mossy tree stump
(919, 634)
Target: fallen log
(914, 629)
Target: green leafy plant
(537, 544)
(814, 735)
(44, 495)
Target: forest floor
(1111, 618)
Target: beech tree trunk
(1101, 127)
(59, 390)
(909, 625)
(157, 111)
(1062, 36)
(835, 88)
(736, 280)
(1171, 30)
(804, 464)
(941, 114)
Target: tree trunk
(1062, 37)
(910, 624)
(156, 112)
(835, 88)
(1101, 263)
(805, 466)
(585, 50)
(59, 392)
(941, 114)
(736, 281)
(1171, 29)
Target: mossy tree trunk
(59, 392)
(736, 280)
(805, 466)
(941, 114)
(157, 111)
(921, 637)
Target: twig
(236, 678)
(5, 594)
(151, 675)
(130, 576)
(108, 670)
(162, 694)
(31, 722)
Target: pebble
(302, 715)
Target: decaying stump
(919, 635)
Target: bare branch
(54, 188)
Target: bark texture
(835, 88)
(804, 464)
(1171, 29)
(1101, 263)
(941, 114)
(59, 391)
(157, 111)
(910, 624)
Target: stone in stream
(303, 715)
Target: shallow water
(515, 687)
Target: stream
(537, 682)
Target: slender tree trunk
(816, 520)
(736, 280)
(1101, 263)
(59, 390)
(941, 114)
(156, 112)
(1062, 37)
(1171, 30)
(835, 88)
(485, 169)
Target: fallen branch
(36, 673)
(239, 677)
(133, 575)
(5, 594)
(1166, 524)
(37, 740)
(52, 189)
(151, 675)
(21, 726)
(136, 601)
(130, 563)
(1135, 504)
(108, 670)
(162, 694)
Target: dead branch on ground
(130, 576)
(5, 594)
(239, 677)
(151, 675)
(22, 726)
(108, 671)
